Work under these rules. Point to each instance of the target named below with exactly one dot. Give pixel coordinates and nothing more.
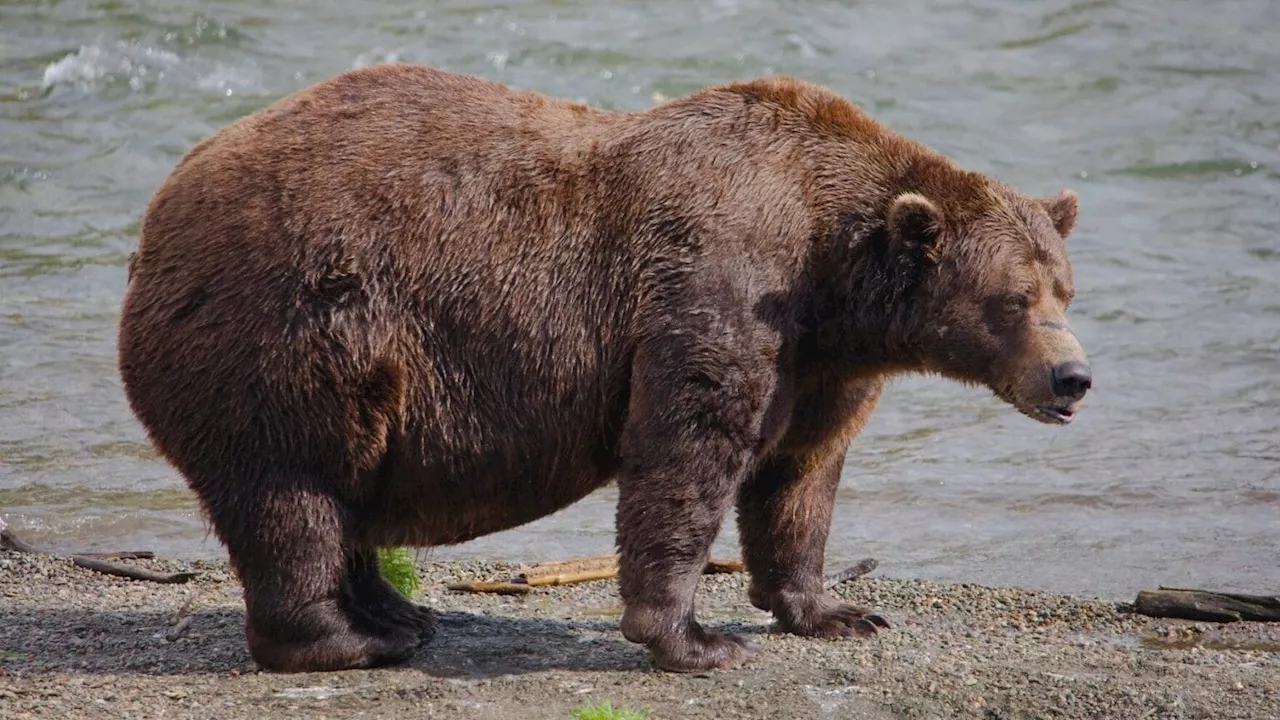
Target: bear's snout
(1072, 379)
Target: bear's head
(994, 284)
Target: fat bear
(410, 307)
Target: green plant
(606, 711)
(399, 570)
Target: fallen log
(1207, 605)
(94, 561)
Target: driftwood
(181, 623)
(567, 572)
(95, 561)
(570, 572)
(179, 630)
(569, 578)
(856, 570)
(599, 567)
(723, 567)
(485, 586)
(120, 555)
(1206, 605)
(133, 573)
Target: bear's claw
(879, 621)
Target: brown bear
(409, 307)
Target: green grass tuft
(606, 711)
(399, 570)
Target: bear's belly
(446, 494)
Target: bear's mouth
(1049, 414)
(1053, 415)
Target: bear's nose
(1072, 379)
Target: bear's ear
(1063, 210)
(915, 224)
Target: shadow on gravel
(128, 642)
(475, 646)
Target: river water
(1163, 114)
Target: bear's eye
(1018, 303)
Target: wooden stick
(181, 623)
(484, 586)
(570, 578)
(570, 572)
(120, 555)
(179, 630)
(856, 570)
(124, 571)
(723, 567)
(91, 561)
(590, 574)
(569, 567)
(591, 567)
(1206, 605)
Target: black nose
(1072, 379)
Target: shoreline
(77, 644)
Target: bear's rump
(438, 438)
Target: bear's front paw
(679, 643)
(700, 650)
(828, 618)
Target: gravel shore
(77, 644)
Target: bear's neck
(858, 315)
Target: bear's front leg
(784, 517)
(688, 444)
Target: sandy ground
(77, 644)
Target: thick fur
(407, 307)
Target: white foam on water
(95, 66)
(229, 79)
(92, 65)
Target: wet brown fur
(406, 307)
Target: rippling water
(1165, 116)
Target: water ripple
(1165, 121)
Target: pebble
(73, 643)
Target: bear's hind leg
(287, 545)
(380, 604)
